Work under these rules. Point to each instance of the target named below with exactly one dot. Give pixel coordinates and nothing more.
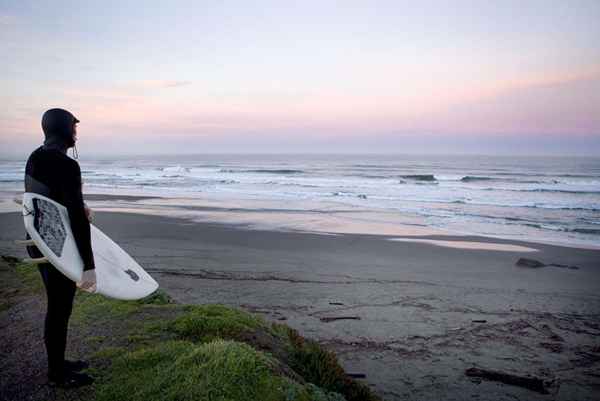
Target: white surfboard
(118, 275)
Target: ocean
(553, 199)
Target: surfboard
(118, 275)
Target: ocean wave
(534, 206)
(577, 175)
(562, 175)
(263, 171)
(548, 225)
(175, 169)
(292, 184)
(567, 191)
(544, 190)
(419, 177)
(575, 208)
(529, 205)
(534, 182)
(369, 166)
(474, 178)
(589, 231)
(373, 176)
(470, 178)
(349, 194)
(593, 231)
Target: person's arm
(80, 225)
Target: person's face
(75, 132)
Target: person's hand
(89, 213)
(88, 281)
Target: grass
(95, 307)
(29, 276)
(320, 366)
(17, 279)
(208, 322)
(313, 363)
(216, 370)
(154, 349)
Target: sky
(501, 77)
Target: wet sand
(426, 311)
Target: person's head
(60, 128)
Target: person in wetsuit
(52, 173)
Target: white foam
(491, 246)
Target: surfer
(50, 172)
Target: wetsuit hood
(58, 129)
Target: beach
(340, 201)
(417, 310)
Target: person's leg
(60, 292)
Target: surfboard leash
(29, 212)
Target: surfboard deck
(118, 275)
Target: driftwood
(524, 262)
(531, 383)
(333, 318)
(357, 375)
(479, 321)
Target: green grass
(17, 279)
(218, 370)
(30, 277)
(321, 367)
(109, 353)
(207, 322)
(95, 307)
(312, 362)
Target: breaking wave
(420, 177)
(471, 178)
(264, 171)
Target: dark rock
(524, 262)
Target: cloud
(174, 84)
(7, 20)
(560, 105)
(157, 84)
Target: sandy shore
(427, 310)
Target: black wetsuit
(50, 172)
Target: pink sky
(180, 80)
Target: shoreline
(417, 305)
(255, 216)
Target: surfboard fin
(24, 242)
(36, 261)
